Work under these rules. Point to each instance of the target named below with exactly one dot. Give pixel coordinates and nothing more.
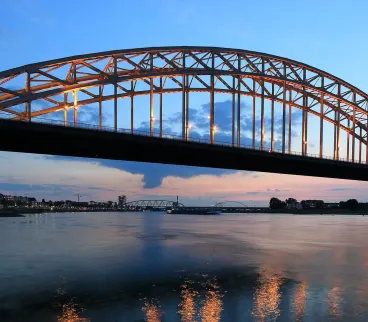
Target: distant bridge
(151, 204)
(224, 204)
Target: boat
(186, 211)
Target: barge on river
(194, 211)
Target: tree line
(351, 204)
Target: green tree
(352, 204)
(276, 203)
(290, 201)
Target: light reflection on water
(335, 301)
(152, 312)
(212, 305)
(299, 301)
(70, 313)
(187, 306)
(204, 305)
(267, 298)
(187, 268)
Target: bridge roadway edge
(56, 140)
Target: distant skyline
(33, 31)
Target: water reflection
(187, 306)
(152, 311)
(204, 305)
(71, 313)
(335, 301)
(267, 298)
(212, 305)
(114, 259)
(299, 300)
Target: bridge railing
(174, 137)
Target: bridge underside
(57, 140)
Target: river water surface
(132, 267)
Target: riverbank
(9, 212)
(20, 212)
(323, 211)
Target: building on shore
(122, 201)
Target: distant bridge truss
(229, 204)
(154, 204)
(34, 92)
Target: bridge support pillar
(28, 111)
(272, 117)
(212, 102)
(283, 116)
(360, 146)
(290, 121)
(262, 115)
(132, 108)
(183, 129)
(304, 120)
(75, 108)
(116, 95)
(338, 124)
(28, 103)
(100, 107)
(348, 142)
(75, 116)
(212, 111)
(366, 146)
(187, 125)
(152, 114)
(254, 116)
(321, 116)
(238, 129)
(353, 131)
(233, 114)
(160, 107)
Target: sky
(330, 35)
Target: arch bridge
(225, 204)
(33, 94)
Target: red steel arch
(193, 69)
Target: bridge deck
(57, 140)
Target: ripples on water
(152, 267)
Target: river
(133, 267)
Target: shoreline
(13, 212)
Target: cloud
(46, 191)
(340, 189)
(41, 173)
(277, 190)
(253, 193)
(153, 174)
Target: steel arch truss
(223, 203)
(156, 204)
(59, 83)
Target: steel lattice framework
(223, 203)
(152, 204)
(163, 70)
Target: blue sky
(330, 35)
